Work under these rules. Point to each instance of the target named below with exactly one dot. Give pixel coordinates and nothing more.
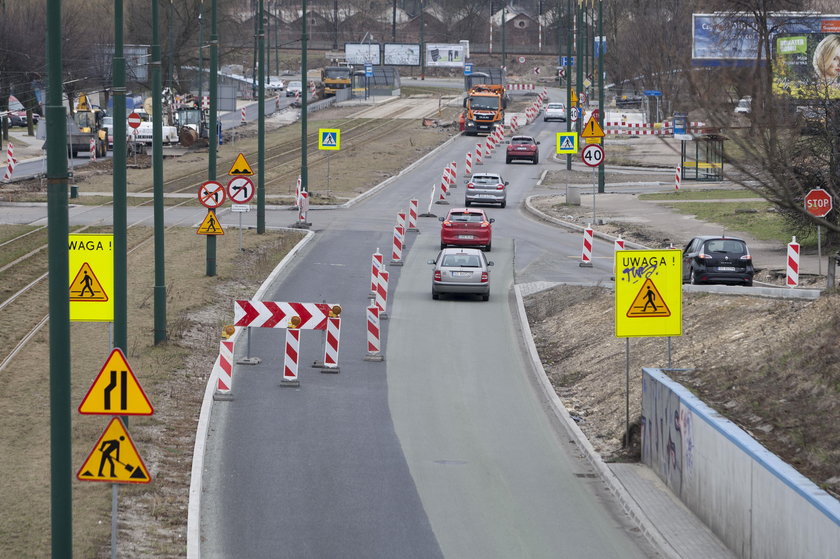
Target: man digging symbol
(108, 449)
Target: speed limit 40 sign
(592, 155)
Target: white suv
(555, 111)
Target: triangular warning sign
(114, 458)
(240, 167)
(85, 286)
(592, 129)
(648, 303)
(566, 142)
(210, 225)
(116, 391)
(574, 98)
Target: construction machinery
(191, 121)
(86, 125)
(336, 78)
(485, 106)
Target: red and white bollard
(242, 118)
(412, 214)
(10, 162)
(303, 206)
(373, 339)
(488, 147)
(677, 178)
(478, 154)
(292, 356)
(468, 164)
(443, 190)
(401, 219)
(618, 244)
(223, 369)
(397, 248)
(382, 294)
(586, 253)
(792, 279)
(453, 174)
(333, 336)
(92, 149)
(375, 266)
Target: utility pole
(601, 50)
(304, 105)
(157, 179)
(261, 125)
(213, 133)
(504, 45)
(200, 54)
(119, 164)
(422, 42)
(61, 492)
(170, 79)
(569, 54)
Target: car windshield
(727, 246)
(489, 103)
(466, 217)
(555, 106)
(461, 261)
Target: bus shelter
(701, 158)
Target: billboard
(445, 55)
(729, 38)
(361, 53)
(402, 54)
(807, 65)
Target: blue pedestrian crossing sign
(329, 138)
(567, 142)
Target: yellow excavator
(85, 125)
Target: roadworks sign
(648, 293)
(114, 458)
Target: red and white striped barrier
(205, 102)
(453, 174)
(303, 207)
(382, 294)
(401, 219)
(792, 279)
(618, 244)
(443, 189)
(586, 252)
(223, 368)
(478, 154)
(276, 314)
(520, 86)
(373, 338)
(331, 343)
(292, 357)
(297, 193)
(677, 178)
(242, 118)
(397, 247)
(10, 162)
(468, 164)
(488, 147)
(92, 149)
(375, 266)
(432, 201)
(412, 214)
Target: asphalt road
(445, 448)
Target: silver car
(461, 271)
(555, 111)
(486, 188)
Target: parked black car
(717, 259)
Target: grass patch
(727, 194)
(755, 218)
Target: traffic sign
(567, 142)
(211, 194)
(134, 120)
(648, 293)
(818, 202)
(240, 167)
(329, 138)
(240, 190)
(210, 225)
(573, 113)
(114, 458)
(240, 208)
(574, 99)
(115, 390)
(468, 68)
(91, 277)
(592, 129)
(592, 155)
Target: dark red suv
(523, 147)
(466, 227)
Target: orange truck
(485, 106)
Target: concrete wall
(759, 506)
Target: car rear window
(461, 261)
(485, 180)
(522, 141)
(555, 106)
(726, 245)
(466, 217)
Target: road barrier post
(223, 369)
(792, 279)
(412, 215)
(292, 354)
(373, 339)
(586, 253)
(331, 346)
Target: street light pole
(157, 179)
(261, 124)
(213, 133)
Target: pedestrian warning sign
(114, 458)
(86, 287)
(567, 142)
(91, 277)
(329, 138)
(648, 293)
(648, 303)
(210, 225)
(240, 167)
(116, 391)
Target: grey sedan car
(486, 188)
(461, 271)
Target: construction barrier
(792, 279)
(453, 174)
(373, 339)
(520, 86)
(412, 214)
(10, 162)
(375, 266)
(618, 244)
(331, 344)
(677, 178)
(478, 154)
(401, 219)
(276, 314)
(297, 193)
(382, 294)
(586, 253)
(397, 247)
(92, 149)
(468, 164)
(223, 368)
(443, 190)
(292, 356)
(488, 147)
(242, 119)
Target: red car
(466, 227)
(523, 147)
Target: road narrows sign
(115, 390)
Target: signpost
(592, 156)
(818, 203)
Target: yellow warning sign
(240, 167)
(648, 293)
(114, 458)
(116, 391)
(592, 129)
(574, 99)
(648, 303)
(91, 277)
(86, 287)
(210, 225)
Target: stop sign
(818, 202)
(134, 120)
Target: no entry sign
(134, 120)
(818, 202)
